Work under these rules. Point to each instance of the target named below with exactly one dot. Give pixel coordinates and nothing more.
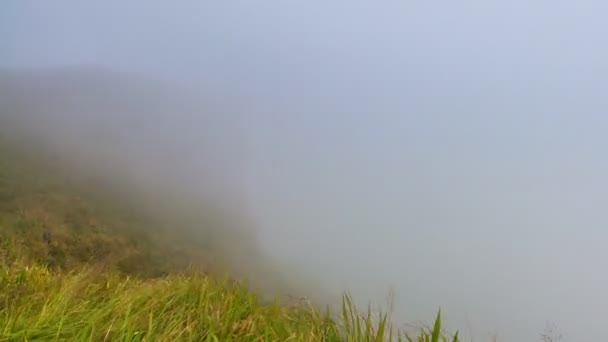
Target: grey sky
(453, 150)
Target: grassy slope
(77, 267)
(46, 219)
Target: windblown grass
(37, 304)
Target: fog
(451, 151)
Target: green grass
(78, 264)
(37, 304)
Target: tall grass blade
(437, 328)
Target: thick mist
(452, 152)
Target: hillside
(47, 219)
(112, 157)
(98, 244)
(76, 267)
